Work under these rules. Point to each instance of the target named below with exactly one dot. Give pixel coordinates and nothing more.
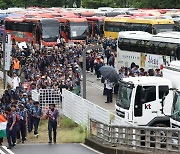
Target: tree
(2, 4)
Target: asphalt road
(95, 93)
(49, 149)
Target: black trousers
(109, 95)
(36, 124)
(22, 130)
(52, 125)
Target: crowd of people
(23, 115)
(34, 68)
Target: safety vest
(16, 65)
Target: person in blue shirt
(36, 115)
(29, 107)
(53, 121)
(23, 122)
(11, 127)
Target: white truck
(139, 101)
(151, 101)
(172, 73)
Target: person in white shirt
(58, 42)
(109, 87)
(15, 81)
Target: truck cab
(172, 73)
(140, 100)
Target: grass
(68, 132)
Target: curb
(99, 146)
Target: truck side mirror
(162, 104)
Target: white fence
(8, 79)
(47, 97)
(81, 110)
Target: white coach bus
(147, 50)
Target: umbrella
(109, 72)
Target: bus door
(65, 31)
(38, 33)
(90, 25)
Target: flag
(3, 123)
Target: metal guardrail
(156, 139)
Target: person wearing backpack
(36, 115)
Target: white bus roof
(169, 34)
(168, 37)
(171, 37)
(139, 35)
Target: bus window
(125, 44)
(162, 48)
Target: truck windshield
(50, 33)
(124, 96)
(176, 107)
(78, 30)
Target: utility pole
(4, 71)
(84, 66)
(7, 47)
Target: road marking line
(90, 148)
(1, 152)
(9, 151)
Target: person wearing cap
(22, 123)
(36, 115)
(15, 81)
(10, 127)
(53, 121)
(29, 107)
(24, 99)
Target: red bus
(33, 30)
(95, 25)
(73, 29)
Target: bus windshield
(78, 30)
(50, 33)
(124, 96)
(176, 107)
(163, 27)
